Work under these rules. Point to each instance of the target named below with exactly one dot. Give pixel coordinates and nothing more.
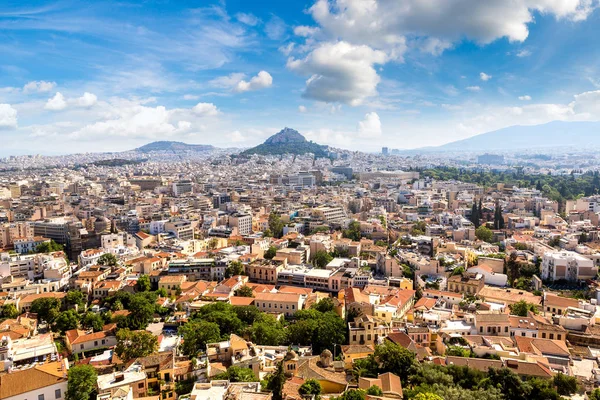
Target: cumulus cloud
(56, 103)
(8, 117)
(39, 86)
(523, 53)
(587, 104)
(484, 77)
(370, 126)
(302, 109)
(205, 110)
(525, 98)
(340, 72)
(305, 31)
(261, 81)
(86, 101)
(473, 88)
(236, 137)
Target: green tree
(142, 311)
(427, 396)
(75, 298)
(135, 344)
(353, 394)
(9, 310)
(234, 268)
(108, 259)
(353, 231)
(270, 253)
(196, 334)
(65, 321)
(237, 374)
(565, 385)
(311, 387)
(143, 284)
(275, 225)
(321, 259)
(266, 330)
(375, 391)
(324, 305)
(81, 383)
(49, 247)
(521, 308)
(46, 308)
(395, 359)
(475, 215)
(244, 291)
(594, 395)
(484, 233)
(276, 381)
(92, 320)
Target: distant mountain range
(287, 141)
(557, 134)
(174, 146)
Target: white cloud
(523, 53)
(275, 28)
(205, 110)
(340, 72)
(39, 86)
(484, 77)
(236, 137)
(305, 31)
(56, 103)
(370, 127)
(86, 101)
(227, 82)
(261, 81)
(190, 97)
(525, 98)
(287, 49)
(473, 88)
(248, 19)
(302, 109)
(8, 117)
(588, 104)
(451, 107)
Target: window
(95, 343)
(40, 397)
(551, 336)
(57, 394)
(558, 337)
(543, 335)
(141, 385)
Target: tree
(81, 382)
(142, 311)
(75, 298)
(135, 344)
(234, 268)
(196, 334)
(395, 359)
(275, 225)
(143, 284)
(46, 308)
(266, 330)
(276, 381)
(9, 310)
(93, 321)
(244, 291)
(311, 387)
(427, 396)
(108, 259)
(484, 233)
(321, 259)
(475, 215)
(498, 218)
(66, 321)
(594, 395)
(353, 231)
(237, 374)
(353, 394)
(565, 385)
(521, 308)
(49, 247)
(375, 391)
(270, 253)
(324, 305)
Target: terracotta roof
(282, 297)
(357, 349)
(18, 383)
(241, 301)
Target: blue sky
(357, 74)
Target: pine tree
(475, 215)
(480, 211)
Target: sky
(356, 74)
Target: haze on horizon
(111, 76)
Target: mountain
(557, 134)
(287, 141)
(173, 146)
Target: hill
(173, 146)
(557, 134)
(288, 141)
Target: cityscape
(326, 199)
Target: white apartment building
(242, 221)
(567, 265)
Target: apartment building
(567, 265)
(279, 303)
